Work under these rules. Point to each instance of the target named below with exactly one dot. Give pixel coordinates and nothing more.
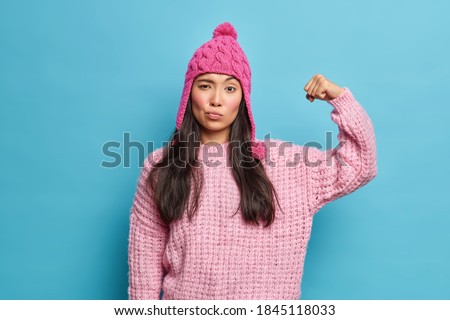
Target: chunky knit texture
(219, 256)
(222, 54)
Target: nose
(216, 99)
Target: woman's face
(215, 100)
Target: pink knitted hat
(222, 54)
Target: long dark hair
(172, 178)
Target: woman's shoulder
(280, 145)
(153, 157)
(289, 154)
(278, 149)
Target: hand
(321, 88)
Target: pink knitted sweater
(218, 255)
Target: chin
(213, 127)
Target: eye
(230, 89)
(203, 86)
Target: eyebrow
(211, 81)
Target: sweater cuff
(344, 98)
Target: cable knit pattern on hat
(217, 255)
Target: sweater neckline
(213, 151)
(212, 143)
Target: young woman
(220, 215)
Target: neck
(217, 139)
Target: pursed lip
(216, 113)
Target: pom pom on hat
(225, 29)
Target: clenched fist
(321, 88)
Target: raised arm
(147, 240)
(351, 165)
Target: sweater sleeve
(349, 166)
(147, 239)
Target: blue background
(75, 75)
